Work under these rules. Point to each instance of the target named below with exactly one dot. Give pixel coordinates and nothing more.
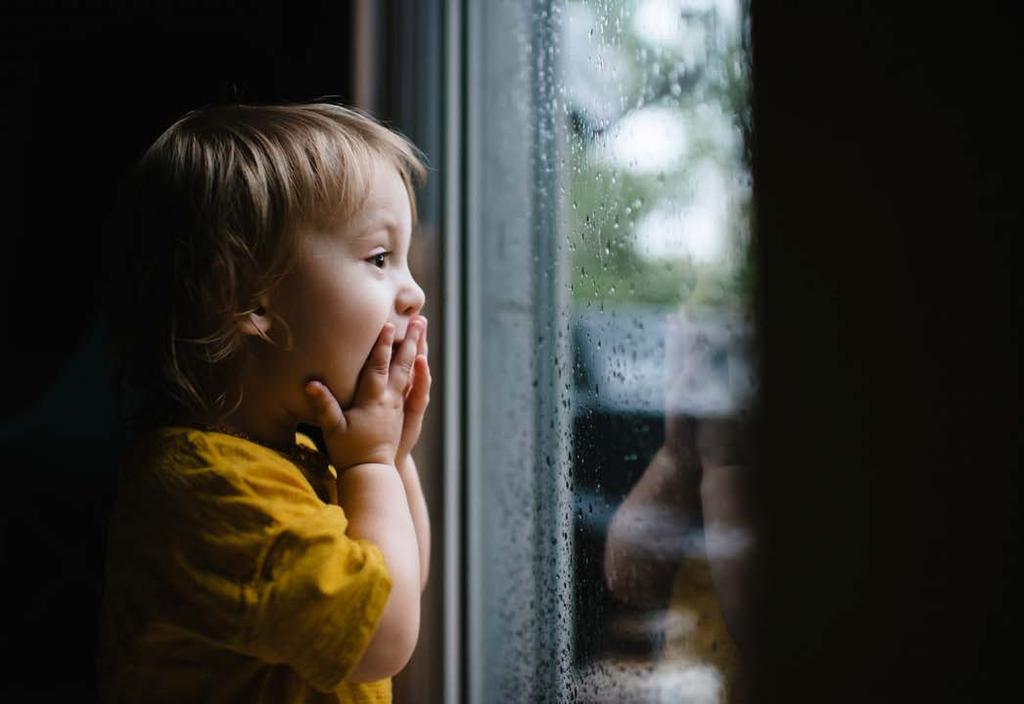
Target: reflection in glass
(658, 231)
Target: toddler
(264, 284)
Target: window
(607, 202)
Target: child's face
(347, 283)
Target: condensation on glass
(610, 551)
(656, 98)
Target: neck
(258, 418)
(260, 415)
(257, 427)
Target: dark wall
(889, 215)
(84, 88)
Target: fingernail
(415, 330)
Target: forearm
(368, 494)
(650, 531)
(729, 523)
(420, 518)
(730, 538)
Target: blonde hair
(213, 218)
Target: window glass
(607, 207)
(658, 232)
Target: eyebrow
(384, 221)
(380, 222)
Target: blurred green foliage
(607, 203)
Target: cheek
(345, 337)
(338, 313)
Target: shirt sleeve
(319, 598)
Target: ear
(257, 322)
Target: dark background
(889, 212)
(886, 179)
(85, 87)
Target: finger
(327, 411)
(419, 395)
(421, 348)
(401, 365)
(373, 380)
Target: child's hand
(418, 398)
(369, 432)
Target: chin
(343, 394)
(347, 397)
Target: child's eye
(379, 259)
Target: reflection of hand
(724, 448)
(651, 531)
(708, 387)
(691, 499)
(707, 433)
(723, 442)
(680, 447)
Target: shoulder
(202, 467)
(184, 451)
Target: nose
(410, 298)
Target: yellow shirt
(696, 637)
(229, 579)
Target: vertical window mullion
(517, 520)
